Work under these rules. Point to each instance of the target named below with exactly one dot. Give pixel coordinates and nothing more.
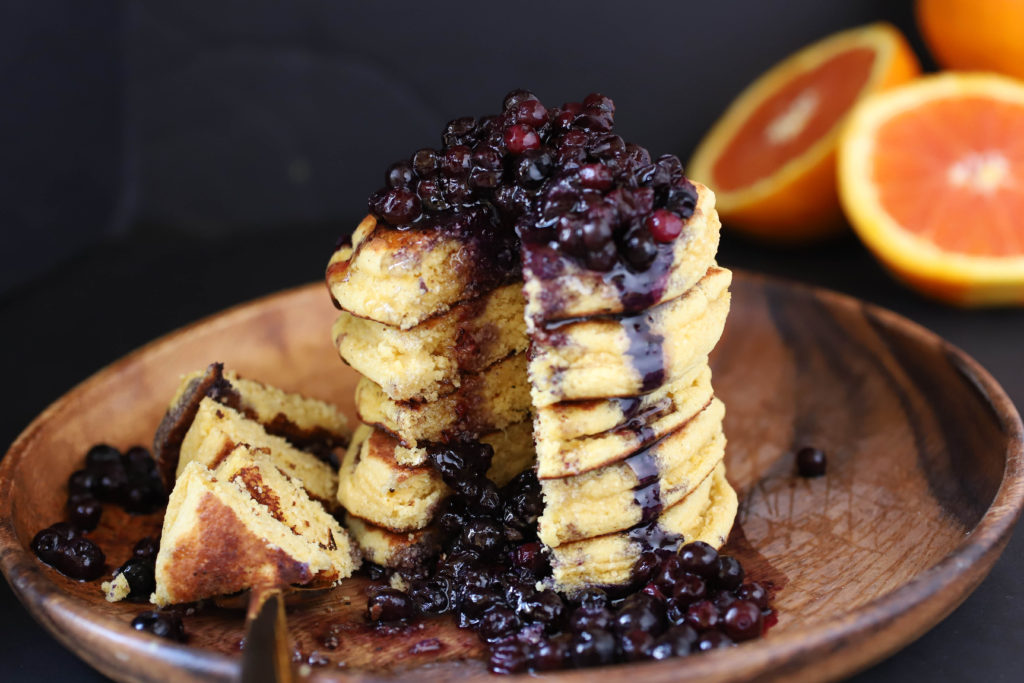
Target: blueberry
(729, 573)
(582, 619)
(141, 579)
(146, 549)
(459, 131)
(603, 259)
(811, 462)
(712, 640)
(678, 641)
(82, 482)
(389, 604)
(496, 623)
(399, 174)
(160, 624)
(592, 647)
(400, 205)
(513, 98)
(424, 163)
(551, 654)
(699, 558)
(431, 195)
(755, 593)
(84, 511)
(638, 248)
(640, 612)
(508, 657)
(703, 615)
(101, 456)
(636, 645)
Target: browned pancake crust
(220, 556)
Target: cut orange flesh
(771, 157)
(932, 178)
(788, 122)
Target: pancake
(630, 355)
(408, 550)
(403, 277)
(218, 540)
(578, 436)
(306, 423)
(557, 287)
(377, 488)
(513, 452)
(255, 471)
(485, 402)
(428, 360)
(706, 515)
(624, 494)
(373, 486)
(218, 429)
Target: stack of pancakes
(614, 395)
(436, 369)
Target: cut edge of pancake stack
(442, 376)
(627, 432)
(252, 496)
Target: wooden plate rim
(880, 627)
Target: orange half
(932, 179)
(771, 157)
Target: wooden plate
(923, 487)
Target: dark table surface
(111, 299)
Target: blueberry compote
(129, 479)
(491, 571)
(560, 180)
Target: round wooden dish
(923, 487)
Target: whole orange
(986, 35)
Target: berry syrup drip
(487, 576)
(560, 180)
(638, 418)
(647, 493)
(645, 350)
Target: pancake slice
(409, 550)
(255, 471)
(428, 360)
(373, 486)
(485, 402)
(403, 277)
(218, 540)
(306, 423)
(218, 429)
(383, 485)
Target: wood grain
(925, 482)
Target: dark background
(161, 161)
